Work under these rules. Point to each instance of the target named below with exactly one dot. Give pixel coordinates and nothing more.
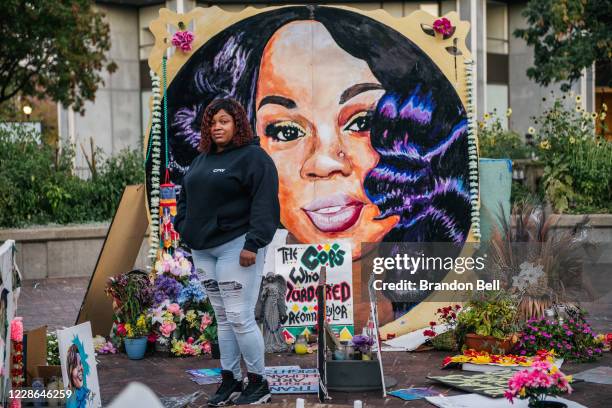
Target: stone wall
(59, 252)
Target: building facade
(119, 115)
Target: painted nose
(327, 157)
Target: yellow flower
(522, 392)
(482, 359)
(531, 130)
(572, 140)
(569, 378)
(585, 115)
(578, 98)
(594, 115)
(602, 116)
(487, 116)
(604, 107)
(129, 330)
(578, 108)
(482, 125)
(141, 323)
(509, 112)
(545, 144)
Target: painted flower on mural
(443, 26)
(183, 40)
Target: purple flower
(598, 350)
(590, 352)
(523, 352)
(166, 287)
(568, 346)
(552, 343)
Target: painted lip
(334, 213)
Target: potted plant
(541, 380)
(132, 296)
(136, 334)
(488, 323)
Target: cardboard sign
(292, 381)
(300, 265)
(79, 371)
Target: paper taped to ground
(411, 341)
(475, 400)
(597, 375)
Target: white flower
(531, 130)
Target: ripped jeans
(233, 292)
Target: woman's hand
(247, 258)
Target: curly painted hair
(244, 133)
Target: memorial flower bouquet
(132, 296)
(447, 340)
(183, 319)
(572, 339)
(541, 380)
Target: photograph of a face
(79, 370)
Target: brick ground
(55, 302)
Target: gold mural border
(208, 22)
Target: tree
(53, 49)
(567, 36)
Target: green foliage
(495, 142)
(578, 164)
(37, 185)
(489, 314)
(52, 349)
(53, 49)
(567, 37)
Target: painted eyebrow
(277, 100)
(356, 89)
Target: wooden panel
(118, 255)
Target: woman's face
(222, 129)
(314, 103)
(77, 373)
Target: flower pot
(546, 404)
(215, 351)
(489, 344)
(136, 347)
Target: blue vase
(136, 347)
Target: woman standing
(228, 211)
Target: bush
(495, 142)
(578, 163)
(37, 185)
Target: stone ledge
(57, 233)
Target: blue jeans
(233, 292)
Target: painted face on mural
(313, 112)
(76, 373)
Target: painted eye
(285, 131)
(361, 122)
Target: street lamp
(27, 109)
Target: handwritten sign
(293, 381)
(300, 266)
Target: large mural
(363, 114)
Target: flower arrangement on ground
(182, 316)
(572, 339)
(132, 296)
(543, 379)
(447, 340)
(482, 357)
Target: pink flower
(167, 328)
(17, 329)
(174, 308)
(443, 26)
(206, 320)
(152, 338)
(206, 349)
(121, 331)
(183, 40)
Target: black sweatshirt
(227, 194)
